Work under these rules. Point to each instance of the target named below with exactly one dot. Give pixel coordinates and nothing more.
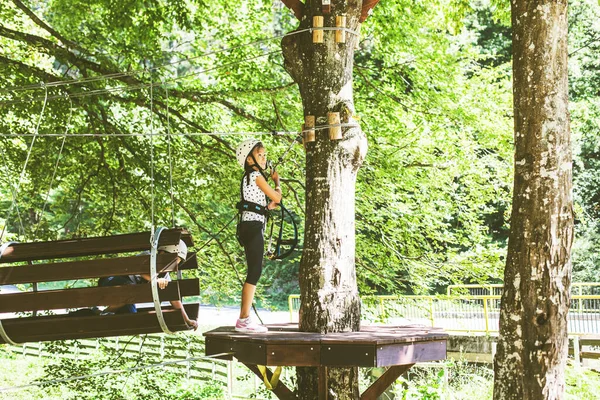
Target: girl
(254, 190)
(162, 282)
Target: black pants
(252, 238)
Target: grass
(450, 380)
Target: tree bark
(532, 348)
(329, 292)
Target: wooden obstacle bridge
(395, 347)
(73, 260)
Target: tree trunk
(329, 292)
(532, 347)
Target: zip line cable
(151, 155)
(16, 192)
(116, 75)
(232, 133)
(138, 86)
(170, 159)
(11, 185)
(110, 372)
(62, 145)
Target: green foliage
(431, 196)
(432, 89)
(584, 82)
(439, 162)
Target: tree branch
(48, 28)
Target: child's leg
(247, 297)
(254, 247)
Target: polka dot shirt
(253, 194)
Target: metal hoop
(153, 283)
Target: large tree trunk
(329, 292)
(532, 348)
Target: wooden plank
(294, 355)
(274, 335)
(63, 327)
(591, 340)
(214, 346)
(348, 355)
(252, 353)
(404, 353)
(191, 262)
(386, 335)
(95, 296)
(384, 381)
(281, 391)
(84, 269)
(88, 246)
(590, 355)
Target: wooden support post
(323, 383)
(281, 391)
(576, 359)
(188, 354)
(357, 43)
(335, 132)
(384, 381)
(340, 22)
(230, 379)
(309, 124)
(317, 33)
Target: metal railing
(577, 288)
(460, 313)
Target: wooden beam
(63, 327)
(131, 242)
(368, 5)
(86, 269)
(410, 353)
(384, 381)
(296, 6)
(323, 383)
(95, 296)
(281, 391)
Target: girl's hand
(192, 324)
(275, 176)
(271, 205)
(162, 283)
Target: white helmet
(243, 150)
(179, 249)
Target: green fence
(460, 313)
(577, 288)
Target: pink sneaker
(249, 326)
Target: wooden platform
(396, 347)
(373, 346)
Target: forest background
(432, 88)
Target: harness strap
(245, 205)
(3, 333)
(270, 384)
